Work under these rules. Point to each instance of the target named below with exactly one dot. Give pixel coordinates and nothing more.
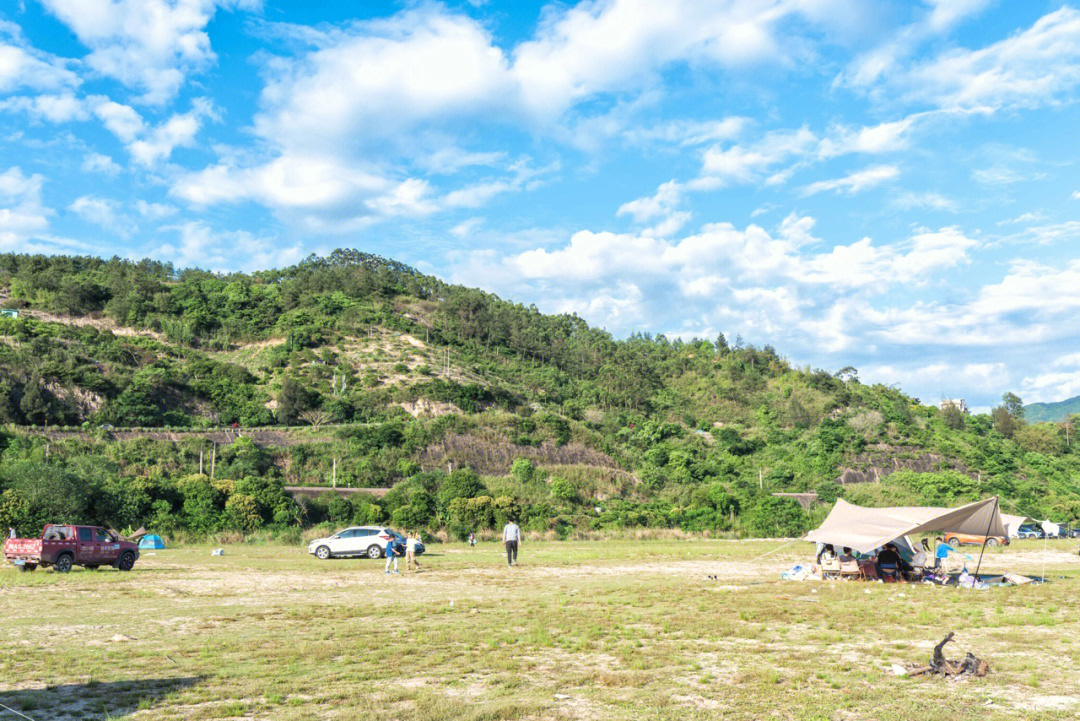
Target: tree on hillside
(1004, 421)
(293, 400)
(1013, 405)
(315, 418)
(952, 417)
(36, 403)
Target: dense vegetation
(359, 370)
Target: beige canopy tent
(1013, 523)
(865, 529)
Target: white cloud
(102, 212)
(621, 306)
(178, 131)
(688, 132)
(1034, 67)
(199, 245)
(53, 108)
(855, 182)
(381, 95)
(155, 211)
(22, 216)
(1076, 195)
(21, 66)
(150, 45)
(466, 228)
(1030, 217)
(884, 59)
(149, 145)
(947, 377)
(1050, 387)
(662, 203)
(881, 138)
(98, 163)
(928, 200)
(123, 121)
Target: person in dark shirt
(889, 562)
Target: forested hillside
(122, 384)
(1053, 412)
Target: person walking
(472, 539)
(392, 554)
(511, 535)
(11, 532)
(410, 551)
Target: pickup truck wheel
(374, 552)
(954, 542)
(991, 542)
(322, 553)
(63, 563)
(127, 560)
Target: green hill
(1052, 412)
(123, 384)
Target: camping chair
(849, 568)
(830, 567)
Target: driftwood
(939, 665)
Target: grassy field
(598, 630)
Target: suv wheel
(322, 553)
(991, 542)
(64, 563)
(374, 551)
(127, 560)
(954, 542)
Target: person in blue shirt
(941, 553)
(392, 553)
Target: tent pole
(997, 507)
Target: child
(472, 539)
(392, 554)
(410, 551)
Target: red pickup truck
(63, 546)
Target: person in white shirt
(410, 551)
(511, 535)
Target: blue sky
(889, 185)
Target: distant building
(8, 313)
(957, 403)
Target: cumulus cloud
(98, 163)
(745, 262)
(22, 215)
(150, 45)
(199, 245)
(149, 145)
(103, 212)
(60, 108)
(21, 66)
(384, 93)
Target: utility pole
(335, 473)
(200, 461)
(213, 461)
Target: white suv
(367, 541)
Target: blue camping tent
(151, 541)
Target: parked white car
(367, 541)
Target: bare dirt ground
(578, 630)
